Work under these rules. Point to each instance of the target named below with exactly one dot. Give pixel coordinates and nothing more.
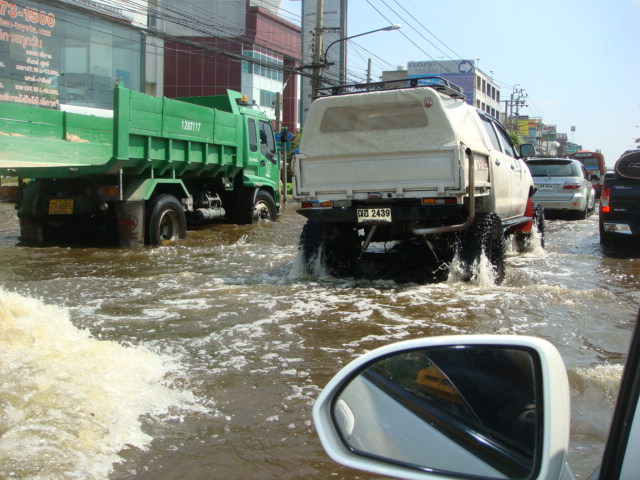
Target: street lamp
(395, 26)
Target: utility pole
(318, 49)
(283, 158)
(512, 108)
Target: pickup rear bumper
(427, 214)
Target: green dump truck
(144, 176)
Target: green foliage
(516, 139)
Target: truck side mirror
(527, 150)
(472, 406)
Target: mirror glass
(469, 411)
(527, 150)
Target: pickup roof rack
(437, 83)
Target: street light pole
(390, 27)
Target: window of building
(71, 58)
(268, 99)
(264, 68)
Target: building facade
(70, 53)
(237, 46)
(481, 91)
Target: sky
(578, 61)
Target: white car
(562, 186)
(470, 406)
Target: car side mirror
(477, 406)
(527, 150)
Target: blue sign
(465, 67)
(290, 136)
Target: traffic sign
(290, 136)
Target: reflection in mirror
(464, 410)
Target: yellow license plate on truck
(61, 206)
(373, 215)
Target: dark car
(620, 204)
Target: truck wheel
(311, 243)
(332, 247)
(524, 240)
(166, 221)
(248, 209)
(264, 207)
(485, 235)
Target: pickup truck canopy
(410, 120)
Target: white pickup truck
(404, 178)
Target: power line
(428, 31)
(402, 33)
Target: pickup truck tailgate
(402, 141)
(401, 174)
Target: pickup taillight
(316, 204)
(604, 200)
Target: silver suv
(562, 186)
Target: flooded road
(202, 361)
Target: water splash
(314, 269)
(481, 272)
(70, 402)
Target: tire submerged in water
(333, 247)
(250, 207)
(166, 221)
(524, 241)
(486, 236)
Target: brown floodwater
(203, 360)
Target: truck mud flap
(130, 216)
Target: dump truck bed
(145, 132)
